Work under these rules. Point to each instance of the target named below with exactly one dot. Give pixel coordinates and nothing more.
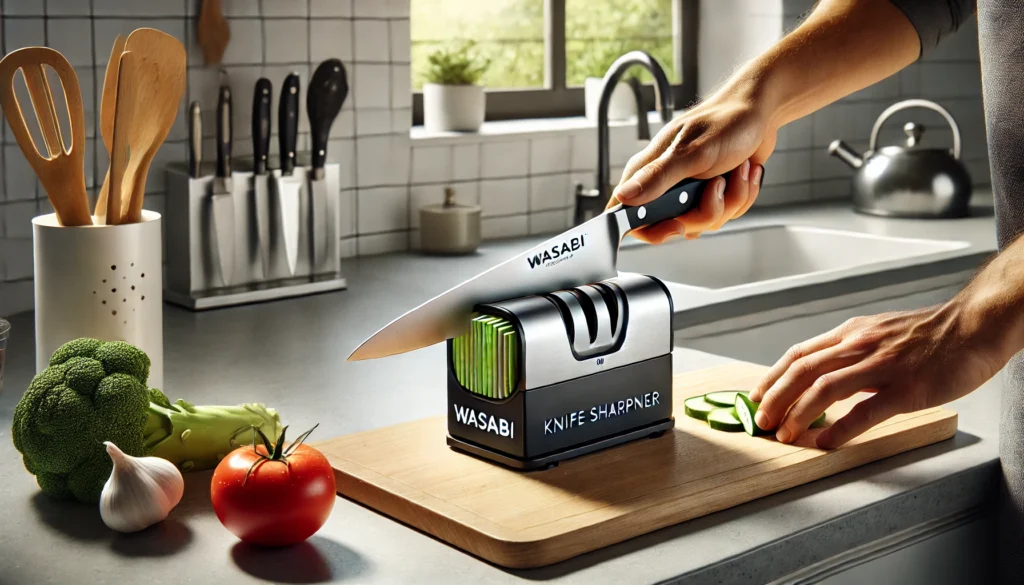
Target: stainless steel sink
(776, 253)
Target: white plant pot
(453, 108)
(621, 107)
(99, 281)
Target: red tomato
(279, 504)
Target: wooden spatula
(158, 69)
(62, 169)
(124, 122)
(212, 32)
(107, 108)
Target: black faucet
(590, 202)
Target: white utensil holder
(194, 280)
(99, 281)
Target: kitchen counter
(290, 355)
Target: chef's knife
(584, 254)
(260, 150)
(288, 186)
(222, 205)
(195, 139)
(327, 91)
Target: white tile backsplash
(318, 8)
(371, 85)
(18, 218)
(348, 212)
(24, 32)
(373, 244)
(550, 192)
(401, 87)
(73, 38)
(383, 209)
(400, 41)
(504, 196)
(465, 161)
(550, 155)
(284, 8)
(246, 45)
(372, 41)
(371, 8)
(584, 150)
(20, 180)
(548, 222)
(284, 39)
(495, 228)
(504, 159)
(431, 164)
(331, 37)
(370, 122)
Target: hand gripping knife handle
(595, 370)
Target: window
(542, 50)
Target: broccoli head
(91, 392)
(95, 391)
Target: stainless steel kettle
(908, 181)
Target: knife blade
(584, 254)
(221, 202)
(328, 89)
(288, 186)
(261, 96)
(195, 139)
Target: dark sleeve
(935, 20)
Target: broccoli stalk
(96, 391)
(198, 437)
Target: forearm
(991, 307)
(843, 46)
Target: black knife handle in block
(195, 139)
(683, 197)
(327, 91)
(288, 122)
(224, 132)
(261, 125)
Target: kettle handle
(916, 103)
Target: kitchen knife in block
(260, 181)
(582, 255)
(221, 204)
(327, 91)
(195, 139)
(286, 185)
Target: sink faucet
(663, 98)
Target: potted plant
(453, 100)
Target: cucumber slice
(818, 422)
(724, 419)
(698, 408)
(745, 409)
(724, 399)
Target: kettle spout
(842, 151)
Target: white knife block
(99, 281)
(194, 279)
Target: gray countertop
(290, 354)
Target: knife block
(194, 278)
(569, 399)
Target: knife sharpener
(193, 279)
(595, 370)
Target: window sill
(525, 128)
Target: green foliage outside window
(509, 34)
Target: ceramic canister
(99, 281)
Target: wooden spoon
(212, 32)
(124, 122)
(62, 170)
(107, 108)
(159, 78)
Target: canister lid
(450, 206)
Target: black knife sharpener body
(595, 370)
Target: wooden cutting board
(530, 519)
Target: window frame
(556, 100)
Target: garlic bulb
(141, 491)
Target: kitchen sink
(776, 253)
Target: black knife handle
(288, 122)
(327, 91)
(681, 198)
(224, 132)
(261, 97)
(195, 139)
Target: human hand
(910, 361)
(725, 134)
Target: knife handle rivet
(683, 197)
(641, 212)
